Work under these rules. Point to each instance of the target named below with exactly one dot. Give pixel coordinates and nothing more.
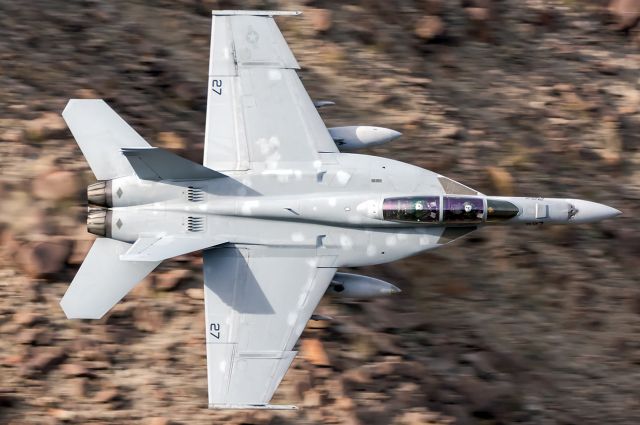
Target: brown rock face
(313, 351)
(171, 279)
(512, 325)
(320, 19)
(170, 140)
(44, 360)
(195, 293)
(626, 13)
(80, 250)
(62, 415)
(502, 180)
(158, 421)
(106, 395)
(49, 126)
(432, 7)
(429, 27)
(25, 318)
(56, 185)
(7, 397)
(43, 259)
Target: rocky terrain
(529, 325)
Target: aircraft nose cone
(393, 134)
(590, 212)
(392, 289)
(376, 135)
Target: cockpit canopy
(424, 209)
(455, 209)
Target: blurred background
(510, 325)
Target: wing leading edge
(255, 313)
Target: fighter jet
(276, 208)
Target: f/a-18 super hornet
(276, 208)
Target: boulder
(450, 131)
(32, 336)
(313, 351)
(44, 259)
(49, 126)
(11, 135)
(501, 180)
(611, 153)
(488, 398)
(431, 7)
(147, 319)
(170, 140)
(56, 185)
(195, 293)
(625, 12)
(25, 318)
(420, 416)
(158, 420)
(479, 18)
(7, 397)
(75, 370)
(62, 415)
(320, 19)
(44, 360)
(106, 395)
(478, 14)
(80, 249)
(312, 398)
(78, 387)
(171, 279)
(429, 27)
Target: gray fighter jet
(276, 208)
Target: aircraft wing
(258, 112)
(257, 303)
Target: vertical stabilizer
(101, 134)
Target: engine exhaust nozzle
(99, 222)
(99, 193)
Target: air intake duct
(100, 193)
(99, 221)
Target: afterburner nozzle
(99, 193)
(99, 221)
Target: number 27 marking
(214, 330)
(216, 86)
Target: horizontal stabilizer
(100, 133)
(158, 248)
(158, 164)
(103, 280)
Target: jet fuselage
(360, 211)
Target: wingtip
(247, 406)
(72, 103)
(77, 312)
(256, 12)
